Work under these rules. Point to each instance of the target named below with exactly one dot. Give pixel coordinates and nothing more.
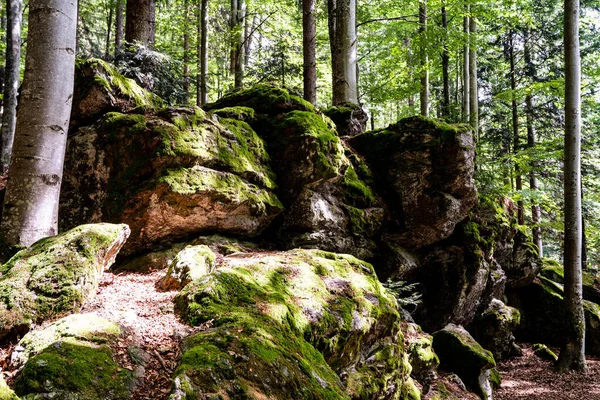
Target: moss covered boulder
(590, 282)
(350, 119)
(303, 324)
(424, 170)
(191, 263)
(72, 359)
(494, 327)
(422, 358)
(6, 393)
(56, 275)
(169, 175)
(460, 353)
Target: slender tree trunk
(119, 27)
(108, 30)
(31, 203)
(344, 51)
(309, 47)
(515, 127)
(239, 11)
(203, 53)
(11, 81)
(140, 22)
(186, 51)
(411, 70)
(466, 64)
(473, 90)
(445, 67)
(572, 355)
(424, 94)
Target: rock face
(189, 174)
(191, 263)
(56, 275)
(72, 359)
(304, 324)
(424, 171)
(350, 119)
(460, 353)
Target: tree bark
(238, 14)
(109, 28)
(342, 23)
(466, 86)
(572, 355)
(14, 13)
(140, 22)
(424, 94)
(202, 97)
(515, 127)
(473, 90)
(119, 27)
(309, 47)
(186, 51)
(445, 67)
(31, 203)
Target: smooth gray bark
(424, 93)
(342, 27)
(140, 22)
(31, 203)
(473, 90)
(119, 27)
(203, 54)
(309, 46)
(14, 15)
(515, 127)
(186, 51)
(466, 86)
(572, 354)
(445, 110)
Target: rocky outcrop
(424, 170)
(350, 119)
(71, 359)
(189, 174)
(460, 353)
(423, 360)
(56, 275)
(191, 263)
(303, 324)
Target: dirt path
(531, 378)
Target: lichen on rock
(56, 275)
(300, 324)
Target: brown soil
(531, 378)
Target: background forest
(518, 46)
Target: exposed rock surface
(191, 263)
(424, 171)
(305, 324)
(460, 353)
(422, 358)
(189, 174)
(72, 359)
(56, 275)
(350, 119)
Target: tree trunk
(119, 27)
(31, 203)
(515, 127)
(572, 355)
(309, 47)
(238, 14)
(140, 21)
(473, 90)
(466, 86)
(445, 67)
(424, 94)
(344, 51)
(11, 81)
(109, 28)
(202, 97)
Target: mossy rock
(240, 113)
(264, 99)
(426, 168)
(191, 263)
(169, 174)
(303, 324)
(350, 119)
(590, 282)
(493, 328)
(56, 275)
(460, 353)
(6, 393)
(542, 351)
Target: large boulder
(6, 393)
(350, 119)
(424, 170)
(73, 359)
(169, 175)
(191, 263)
(56, 275)
(303, 324)
(460, 353)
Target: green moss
(543, 352)
(6, 392)
(495, 378)
(362, 223)
(74, 369)
(239, 113)
(356, 191)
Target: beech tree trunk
(119, 27)
(473, 90)
(572, 354)
(140, 21)
(424, 94)
(445, 67)
(238, 14)
(202, 97)
(109, 28)
(14, 15)
(515, 127)
(186, 51)
(309, 46)
(466, 86)
(343, 41)
(31, 203)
